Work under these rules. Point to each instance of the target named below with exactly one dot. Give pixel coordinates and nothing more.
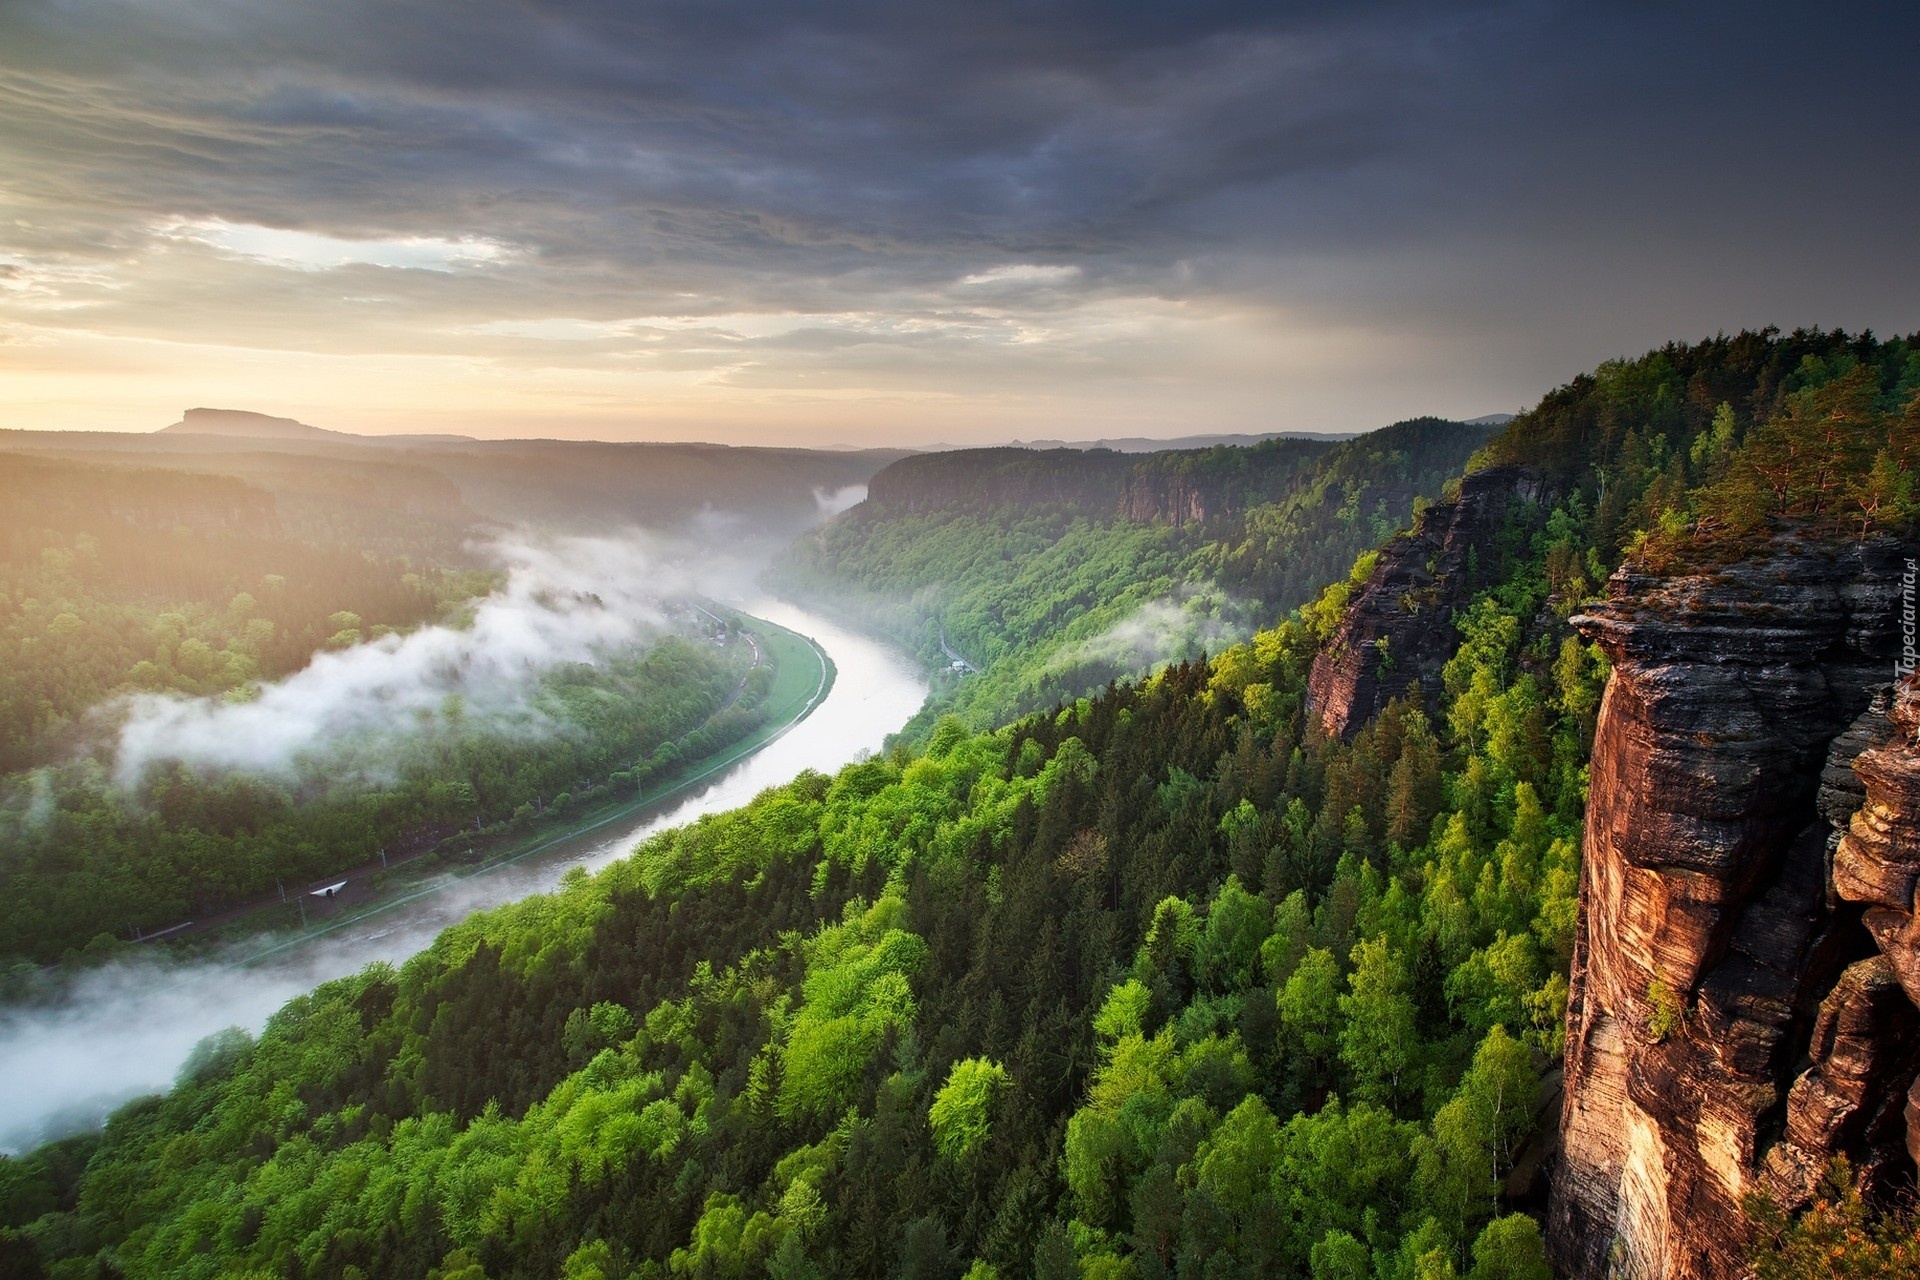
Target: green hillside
(166, 566)
(1163, 982)
(1055, 572)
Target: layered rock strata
(1397, 631)
(1849, 1101)
(1714, 961)
(1878, 862)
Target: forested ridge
(1055, 571)
(410, 492)
(1160, 982)
(118, 579)
(90, 860)
(121, 580)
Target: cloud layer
(925, 220)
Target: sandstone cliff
(1175, 488)
(1733, 1024)
(1398, 630)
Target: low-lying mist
(1195, 620)
(833, 501)
(565, 600)
(115, 1033)
(96, 1038)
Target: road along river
(129, 1027)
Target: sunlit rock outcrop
(1397, 630)
(1713, 959)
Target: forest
(116, 578)
(126, 574)
(1055, 572)
(92, 861)
(1159, 981)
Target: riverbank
(133, 1021)
(804, 675)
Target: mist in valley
(87, 1040)
(565, 600)
(1185, 624)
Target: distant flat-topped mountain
(244, 422)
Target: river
(130, 1026)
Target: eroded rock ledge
(1732, 1023)
(1397, 630)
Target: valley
(956, 641)
(1467, 918)
(64, 1065)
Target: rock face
(1878, 861)
(1179, 488)
(1867, 1038)
(1851, 1100)
(1713, 961)
(1163, 497)
(1397, 629)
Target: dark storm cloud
(1443, 174)
(807, 129)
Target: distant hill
(248, 425)
(1146, 444)
(243, 422)
(445, 486)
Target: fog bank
(1203, 620)
(565, 600)
(126, 1029)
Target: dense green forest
(1055, 572)
(119, 580)
(1706, 446)
(1151, 983)
(1160, 982)
(86, 856)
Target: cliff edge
(1397, 631)
(1741, 1004)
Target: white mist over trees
(564, 600)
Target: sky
(876, 222)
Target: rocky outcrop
(1713, 962)
(1852, 1100)
(1171, 497)
(1398, 630)
(1877, 864)
(1866, 1040)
